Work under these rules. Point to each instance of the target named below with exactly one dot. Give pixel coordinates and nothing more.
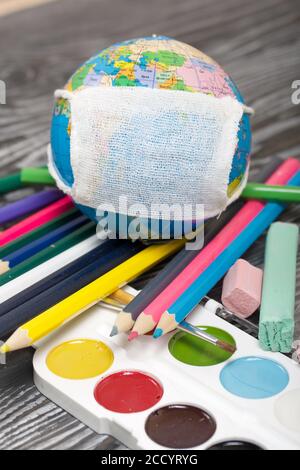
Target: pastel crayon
(276, 321)
(36, 220)
(188, 300)
(242, 286)
(28, 204)
(151, 315)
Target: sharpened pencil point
(114, 331)
(157, 333)
(4, 349)
(133, 335)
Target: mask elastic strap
(67, 95)
(248, 110)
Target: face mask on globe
(153, 147)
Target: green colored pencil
(272, 193)
(10, 183)
(39, 232)
(65, 243)
(36, 176)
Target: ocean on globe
(153, 62)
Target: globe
(153, 62)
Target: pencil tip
(114, 331)
(133, 335)
(4, 349)
(157, 333)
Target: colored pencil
(272, 193)
(109, 259)
(28, 204)
(38, 233)
(64, 270)
(150, 316)
(89, 295)
(186, 327)
(121, 296)
(125, 320)
(27, 280)
(36, 220)
(27, 251)
(10, 183)
(75, 237)
(189, 299)
(36, 176)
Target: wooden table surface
(257, 42)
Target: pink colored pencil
(36, 220)
(149, 318)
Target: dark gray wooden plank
(257, 42)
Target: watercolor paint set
(214, 383)
(175, 392)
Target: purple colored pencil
(28, 204)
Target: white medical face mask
(153, 147)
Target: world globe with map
(153, 62)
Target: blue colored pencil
(28, 204)
(34, 247)
(209, 278)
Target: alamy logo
(2, 92)
(296, 93)
(152, 223)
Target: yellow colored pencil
(89, 295)
(121, 297)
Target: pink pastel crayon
(242, 287)
(151, 315)
(36, 220)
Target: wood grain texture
(257, 42)
(11, 6)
